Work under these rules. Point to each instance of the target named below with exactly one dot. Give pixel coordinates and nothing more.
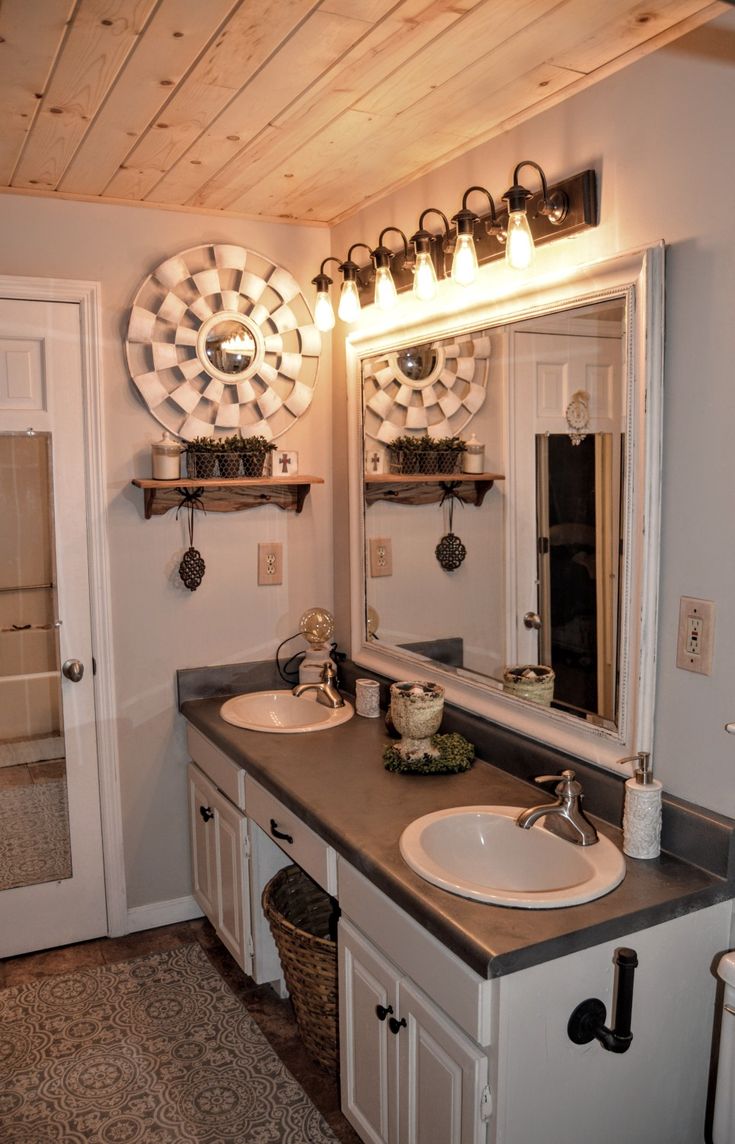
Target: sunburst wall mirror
(221, 340)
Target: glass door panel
(35, 843)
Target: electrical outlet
(696, 635)
(381, 556)
(270, 563)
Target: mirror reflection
(35, 843)
(230, 347)
(539, 584)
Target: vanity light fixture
(464, 262)
(323, 311)
(349, 297)
(386, 294)
(519, 246)
(425, 282)
(473, 239)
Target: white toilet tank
(723, 1127)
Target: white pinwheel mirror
(221, 340)
(568, 537)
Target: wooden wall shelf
(233, 495)
(429, 488)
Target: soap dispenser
(642, 811)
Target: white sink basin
(282, 712)
(479, 852)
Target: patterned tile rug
(152, 1051)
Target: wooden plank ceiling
(290, 109)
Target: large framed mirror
(546, 620)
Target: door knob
(73, 670)
(532, 620)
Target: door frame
(87, 295)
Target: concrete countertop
(336, 782)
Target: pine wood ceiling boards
(290, 109)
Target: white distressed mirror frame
(639, 277)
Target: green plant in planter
(201, 457)
(425, 454)
(253, 453)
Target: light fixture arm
(349, 268)
(382, 254)
(554, 207)
(321, 280)
(422, 239)
(465, 219)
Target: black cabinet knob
(396, 1026)
(383, 1011)
(206, 812)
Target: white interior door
(549, 369)
(51, 861)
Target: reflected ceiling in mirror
(561, 558)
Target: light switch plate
(381, 556)
(270, 563)
(696, 635)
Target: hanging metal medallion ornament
(450, 551)
(192, 566)
(221, 339)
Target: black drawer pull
(383, 1011)
(396, 1026)
(279, 833)
(206, 812)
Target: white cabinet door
(233, 913)
(367, 987)
(221, 883)
(408, 1074)
(442, 1073)
(202, 795)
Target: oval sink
(282, 712)
(479, 852)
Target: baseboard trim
(163, 914)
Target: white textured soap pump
(642, 811)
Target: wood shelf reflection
(428, 488)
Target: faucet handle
(329, 671)
(566, 784)
(565, 776)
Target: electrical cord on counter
(296, 658)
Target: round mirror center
(417, 363)
(230, 347)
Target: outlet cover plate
(381, 556)
(696, 635)
(270, 563)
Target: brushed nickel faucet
(326, 691)
(566, 817)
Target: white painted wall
(158, 624)
(659, 135)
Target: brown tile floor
(274, 1016)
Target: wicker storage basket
(520, 681)
(302, 918)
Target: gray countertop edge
(492, 940)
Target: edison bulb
(464, 263)
(424, 278)
(349, 301)
(519, 248)
(323, 312)
(386, 294)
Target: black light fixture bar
(582, 213)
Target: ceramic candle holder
(416, 709)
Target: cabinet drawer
(296, 839)
(226, 775)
